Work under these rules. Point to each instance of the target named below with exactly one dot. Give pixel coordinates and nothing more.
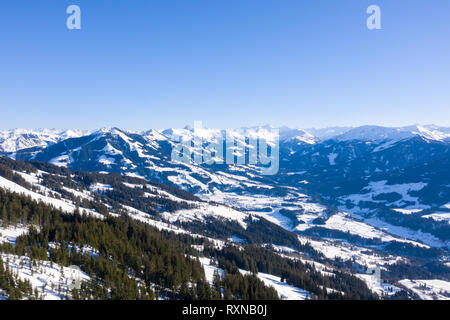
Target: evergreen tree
(4, 217)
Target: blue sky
(164, 63)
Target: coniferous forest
(134, 261)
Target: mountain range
(359, 197)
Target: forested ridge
(257, 259)
(135, 261)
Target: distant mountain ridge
(19, 139)
(364, 171)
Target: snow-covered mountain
(378, 133)
(367, 171)
(19, 139)
(370, 195)
(330, 164)
(339, 167)
(313, 135)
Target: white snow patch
(106, 161)
(380, 187)
(285, 291)
(10, 234)
(44, 276)
(332, 158)
(61, 161)
(342, 222)
(207, 210)
(382, 288)
(100, 187)
(429, 289)
(439, 216)
(210, 269)
(407, 211)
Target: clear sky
(140, 64)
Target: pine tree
(217, 285)
(4, 217)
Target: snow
(345, 251)
(106, 161)
(83, 195)
(61, 161)
(153, 134)
(210, 269)
(406, 233)
(184, 179)
(385, 146)
(44, 275)
(145, 217)
(161, 225)
(18, 139)
(85, 249)
(207, 210)
(381, 134)
(331, 158)
(439, 216)
(32, 178)
(296, 173)
(63, 205)
(431, 132)
(307, 212)
(134, 175)
(283, 249)
(285, 291)
(406, 211)
(381, 187)
(132, 186)
(428, 289)
(236, 239)
(165, 194)
(327, 133)
(341, 221)
(268, 207)
(133, 145)
(388, 135)
(377, 287)
(297, 135)
(100, 187)
(13, 187)
(320, 267)
(110, 150)
(10, 234)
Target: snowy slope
(18, 139)
(52, 280)
(285, 291)
(377, 133)
(429, 289)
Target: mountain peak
(379, 133)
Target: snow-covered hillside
(19, 139)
